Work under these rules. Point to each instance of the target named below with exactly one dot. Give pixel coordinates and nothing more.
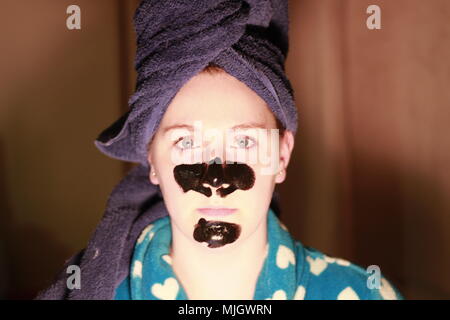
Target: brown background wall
(372, 160)
(370, 173)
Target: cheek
(255, 201)
(262, 187)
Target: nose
(214, 175)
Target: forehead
(218, 100)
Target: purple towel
(176, 39)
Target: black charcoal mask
(200, 177)
(216, 233)
(215, 174)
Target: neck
(240, 262)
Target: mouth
(216, 211)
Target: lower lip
(217, 212)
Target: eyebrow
(247, 125)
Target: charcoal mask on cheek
(198, 177)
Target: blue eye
(185, 143)
(244, 142)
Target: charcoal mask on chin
(226, 177)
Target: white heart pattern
(348, 294)
(300, 293)
(339, 261)
(386, 290)
(137, 269)
(144, 233)
(167, 259)
(278, 295)
(166, 291)
(342, 262)
(284, 257)
(316, 266)
(283, 226)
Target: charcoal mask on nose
(215, 174)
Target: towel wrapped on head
(176, 39)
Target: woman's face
(216, 115)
